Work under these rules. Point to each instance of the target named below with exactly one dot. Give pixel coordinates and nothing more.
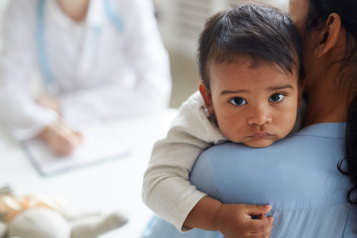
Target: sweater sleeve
(166, 189)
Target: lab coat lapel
(96, 19)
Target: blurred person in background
(98, 59)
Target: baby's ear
(207, 97)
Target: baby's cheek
(227, 130)
(286, 122)
(232, 129)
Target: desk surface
(108, 186)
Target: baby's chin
(259, 143)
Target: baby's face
(254, 106)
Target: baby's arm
(166, 189)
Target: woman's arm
(18, 110)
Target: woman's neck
(327, 101)
(75, 9)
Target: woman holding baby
(305, 177)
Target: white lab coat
(101, 74)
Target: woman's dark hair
(261, 32)
(319, 11)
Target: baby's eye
(238, 101)
(276, 97)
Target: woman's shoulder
(297, 176)
(313, 139)
(306, 158)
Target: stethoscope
(51, 84)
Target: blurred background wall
(180, 23)
(3, 4)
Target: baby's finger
(256, 210)
(271, 221)
(267, 232)
(260, 225)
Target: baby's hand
(235, 221)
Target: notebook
(101, 143)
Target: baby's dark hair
(253, 30)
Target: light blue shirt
(297, 176)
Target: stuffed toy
(42, 216)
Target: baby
(250, 63)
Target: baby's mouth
(260, 135)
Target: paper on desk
(100, 143)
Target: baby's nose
(259, 116)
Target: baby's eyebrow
(229, 92)
(281, 87)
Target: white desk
(106, 186)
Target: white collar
(95, 18)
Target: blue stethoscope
(51, 84)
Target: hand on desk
(61, 138)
